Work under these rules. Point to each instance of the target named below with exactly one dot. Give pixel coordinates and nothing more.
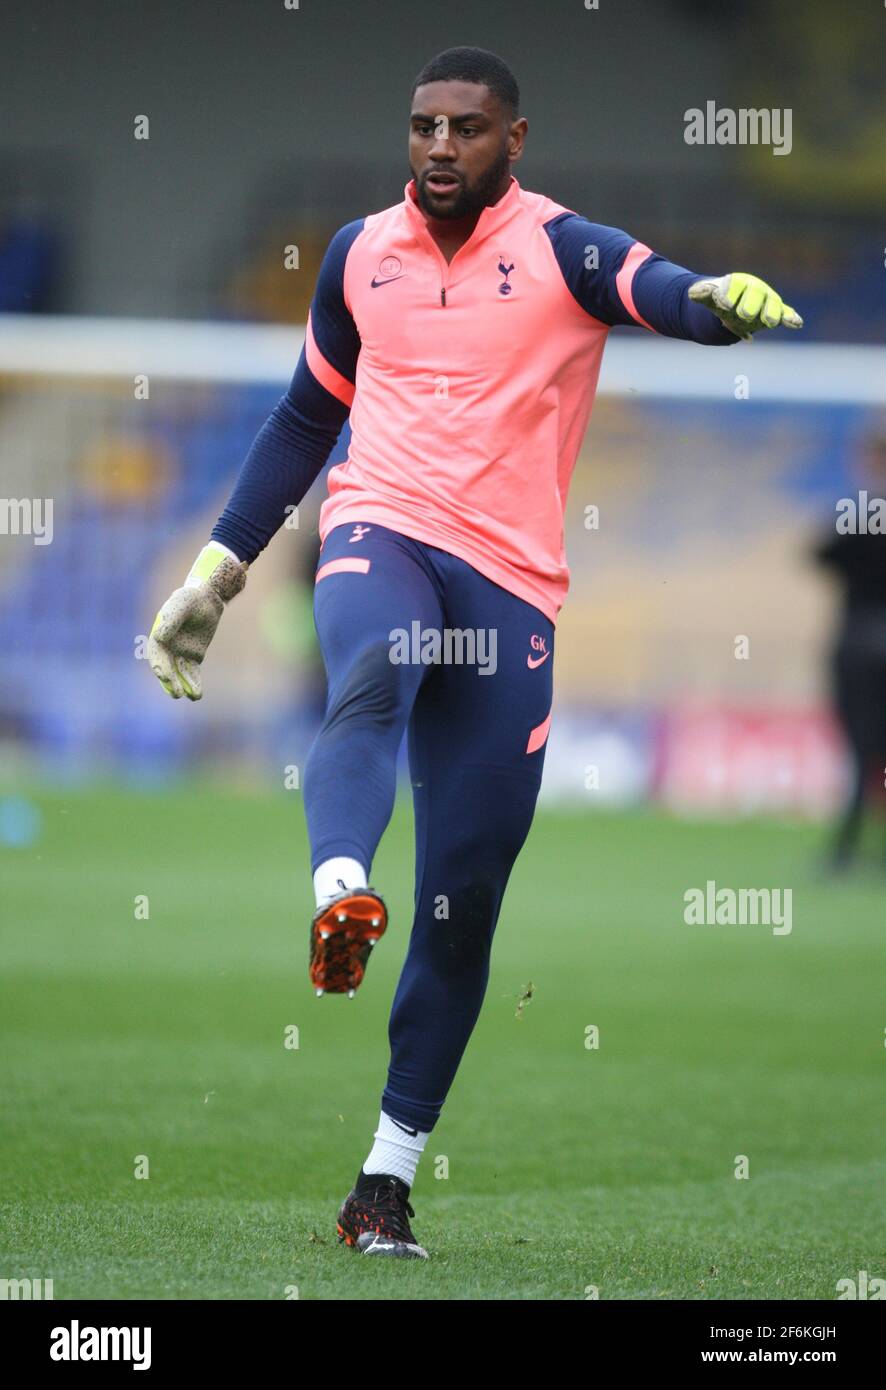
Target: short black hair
(473, 65)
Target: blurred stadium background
(132, 267)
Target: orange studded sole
(342, 938)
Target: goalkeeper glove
(744, 303)
(185, 625)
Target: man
(855, 554)
(463, 331)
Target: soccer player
(462, 330)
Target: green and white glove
(744, 303)
(185, 625)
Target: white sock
(396, 1150)
(326, 878)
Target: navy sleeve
(618, 280)
(293, 445)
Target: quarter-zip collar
(491, 219)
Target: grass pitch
(569, 1168)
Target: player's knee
(498, 832)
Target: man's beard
(469, 200)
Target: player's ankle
(336, 875)
(396, 1151)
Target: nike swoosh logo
(384, 1245)
(532, 665)
(413, 1132)
(375, 282)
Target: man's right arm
(292, 447)
(286, 457)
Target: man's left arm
(620, 280)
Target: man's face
(461, 146)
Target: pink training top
(469, 385)
(474, 386)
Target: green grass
(567, 1167)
